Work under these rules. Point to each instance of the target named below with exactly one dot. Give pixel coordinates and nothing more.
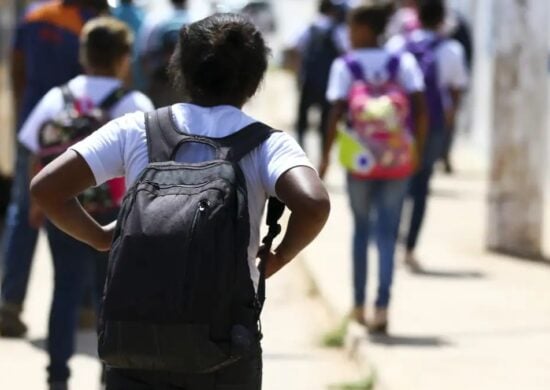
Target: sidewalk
(473, 320)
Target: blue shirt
(48, 39)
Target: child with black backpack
(184, 294)
(380, 97)
(317, 47)
(66, 115)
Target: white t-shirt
(120, 148)
(374, 63)
(451, 59)
(89, 91)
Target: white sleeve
(134, 101)
(50, 105)
(279, 154)
(395, 44)
(339, 82)
(410, 75)
(454, 73)
(301, 40)
(103, 151)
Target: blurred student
(64, 115)
(190, 330)
(45, 54)
(133, 16)
(158, 40)
(444, 67)
(406, 20)
(380, 96)
(316, 48)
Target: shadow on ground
(409, 341)
(449, 274)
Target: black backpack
(320, 53)
(72, 125)
(178, 295)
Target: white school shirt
(120, 149)
(89, 91)
(374, 62)
(451, 60)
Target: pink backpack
(379, 115)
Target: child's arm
(337, 112)
(36, 215)
(55, 189)
(420, 120)
(456, 97)
(304, 194)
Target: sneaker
(58, 386)
(11, 325)
(358, 315)
(379, 324)
(412, 263)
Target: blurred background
(477, 316)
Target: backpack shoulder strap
(237, 145)
(68, 97)
(275, 210)
(163, 137)
(113, 98)
(393, 65)
(355, 68)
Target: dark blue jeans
(420, 185)
(384, 198)
(19, 239)
(77, 268)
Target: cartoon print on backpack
(378, 144)
(74, 123)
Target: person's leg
(419, 191)
(73, 267)
(359, 192)
(19, 241)
(302, 122)
(388, 203)
(447, 150)
(323, 124)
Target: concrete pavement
(472, 320)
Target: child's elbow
(317, 207)
(40, 191)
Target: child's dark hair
(103, 42)
(220, 60)
(326, 7)
(431, 12)
(376, 17)
(100, 6)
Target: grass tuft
(335, 338)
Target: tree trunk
(519, 127)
